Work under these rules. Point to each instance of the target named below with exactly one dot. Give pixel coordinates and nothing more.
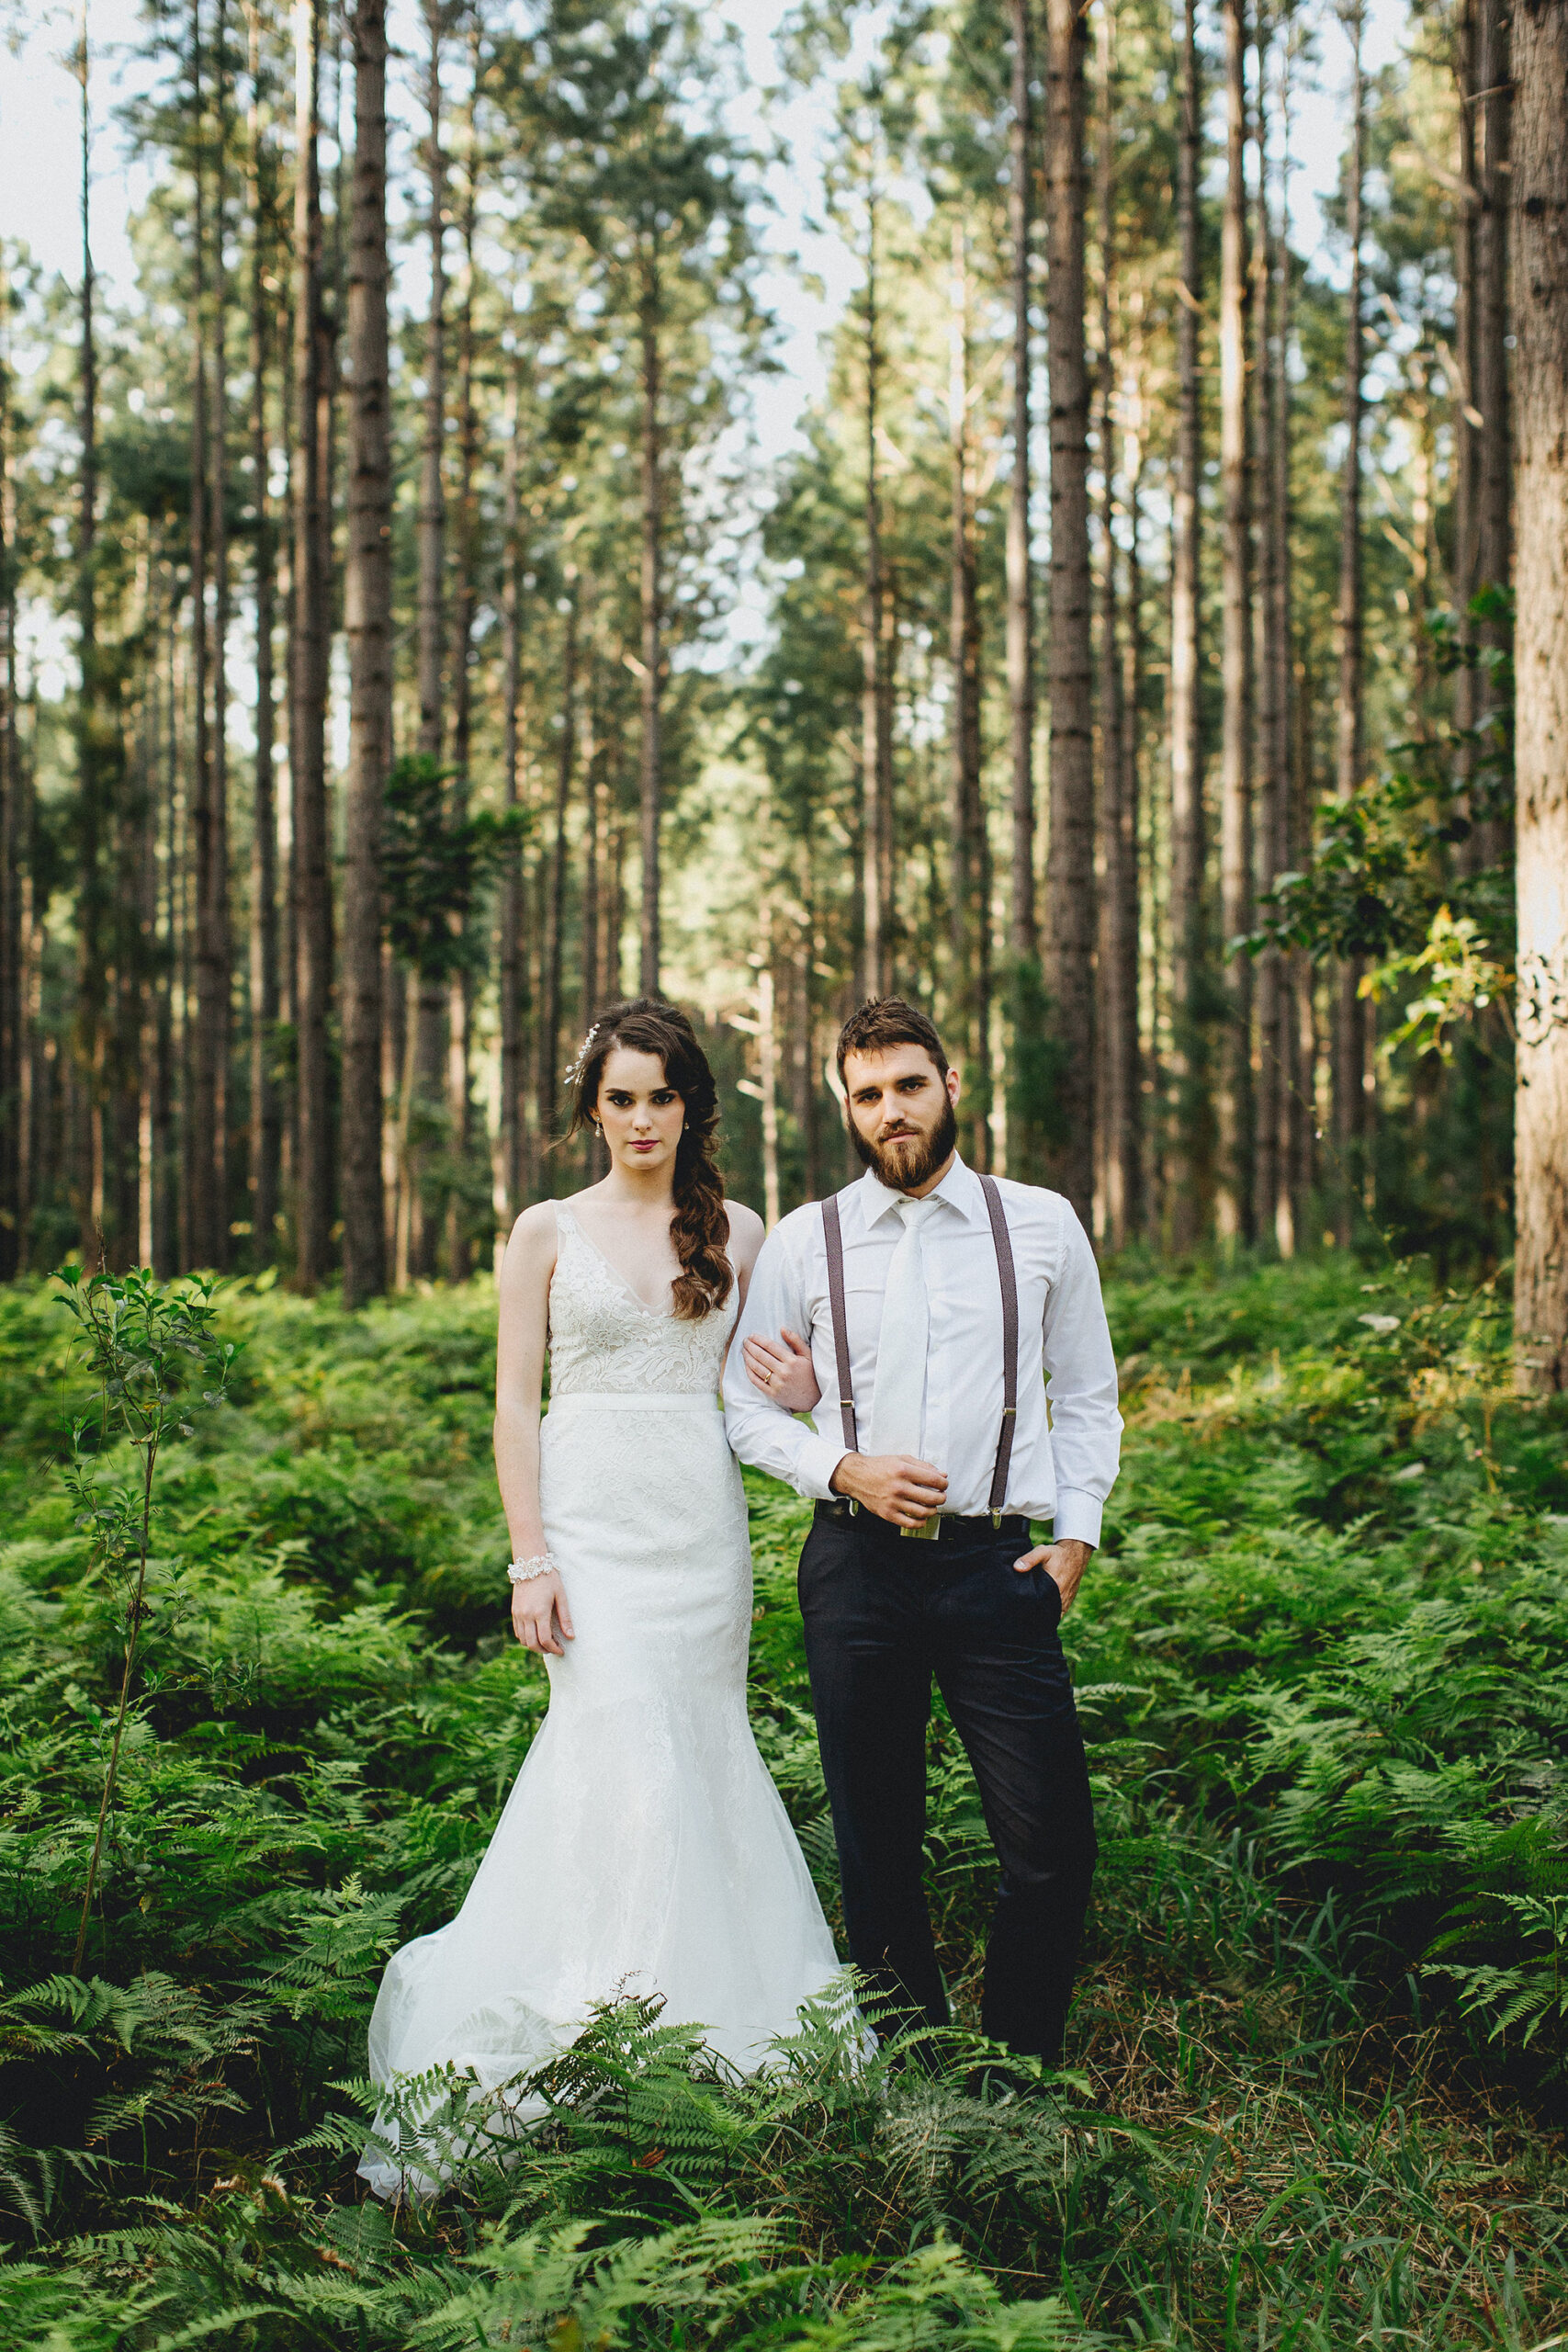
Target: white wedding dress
(644, 1848)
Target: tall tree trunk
(265, 1111)
(1193, 1186)
(555, 902)
(367, 612)
(1464, 384)
(1117, 1119)
(1294, 981)
(425, 1077)
(1493, 108)
(1234, 1199)
(971, 893)
(876, 748)
(308, 687)
(461, 988)
(1272, 775)
(1541, 394)
(511, 973)
(201, 1108)
(1023, 940)
(432, 490)
(12, 1014)
(217, 1014)
(651, 315)
(92, 750)
(1350, 1018)
(1071, 880)
(1139, 1087)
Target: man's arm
(761, 1433)
(1086, 1427)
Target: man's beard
(910, 1161)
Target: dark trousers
(884, 1615)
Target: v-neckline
(658, 1314)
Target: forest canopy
(418, 629)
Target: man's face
(901, 1119)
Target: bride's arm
(539, 1612)
(793, 1382)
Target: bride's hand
(783, 1371)
(540, 1618)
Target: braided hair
(700, 1227)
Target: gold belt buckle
(926, 1530)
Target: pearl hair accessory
(525, 1571)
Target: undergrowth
(1316, 2069)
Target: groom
(932, 1301)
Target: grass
(1316, 2070)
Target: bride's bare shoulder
(532, 1247)
(746, 1234)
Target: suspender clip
(996, 1519)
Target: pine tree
(368, 619)
(1540, 381)
(1070, 874)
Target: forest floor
(1314, 2090)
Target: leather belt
(951, 1526)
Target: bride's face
(638, 1112)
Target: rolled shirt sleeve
(1080, 1363)
(761, 1433)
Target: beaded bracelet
(525, 1571)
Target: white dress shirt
(1063, 1463)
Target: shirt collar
(959, 1188)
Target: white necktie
(898, 1397)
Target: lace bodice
(604, 1338)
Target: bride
(644, 1848)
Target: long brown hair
(700, 1227)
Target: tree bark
(92, 748)
(367, 613)
(308, 688)
(201, 1107)
(651, 776)
(1540, 393)
(1272, 775)
(1493, 109)
(876, 748)
(511, 976)
(265, 1111)
(12, 1016)
(218, 960)
(971, 894)
(1023, 937)
(1288, 1201)
(1234, 1197)
(461, 990)
(1071, 884)
(1117, 857)
(1193, 1184)
(554, 903)
(1139, 1088)
(432, 492)
(1350, 1006)
(419, 1222)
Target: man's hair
(887, 1021)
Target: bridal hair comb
(574, 1067)
(525, 1571)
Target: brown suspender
(832, 1233)
(1003, 1240)
(835, 1240)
